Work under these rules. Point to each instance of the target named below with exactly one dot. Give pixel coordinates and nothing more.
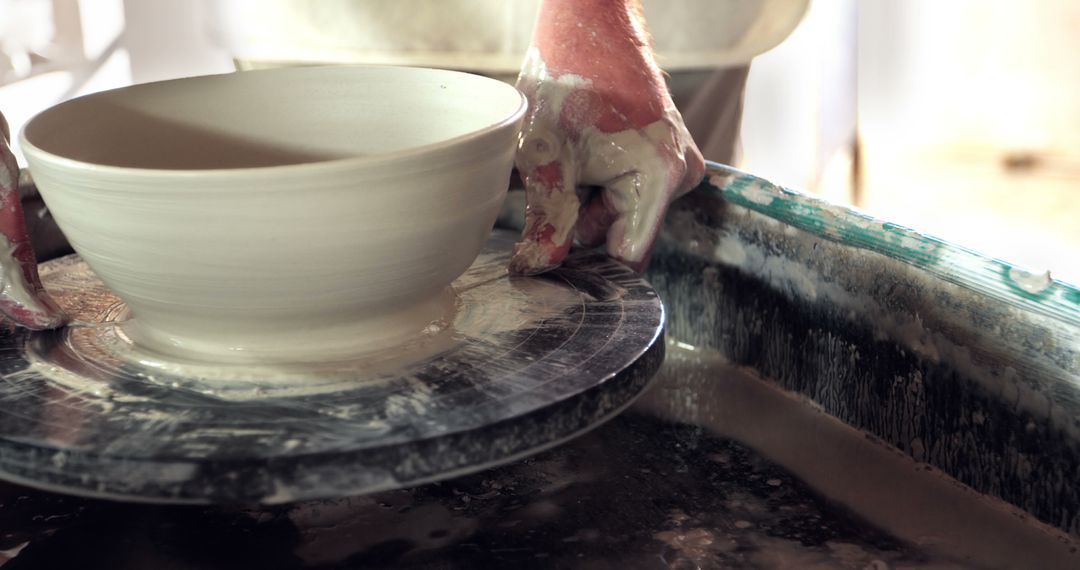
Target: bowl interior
(274, 117)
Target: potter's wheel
(525, 364)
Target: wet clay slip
(281, 215)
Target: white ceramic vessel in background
(286, 214)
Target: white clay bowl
(280, 215)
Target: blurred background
(960, 119)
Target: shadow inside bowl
(133, 138)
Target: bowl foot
(307, 340)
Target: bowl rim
(413, 154)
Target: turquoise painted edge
(952, 263)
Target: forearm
(605, 43)
(569, 24)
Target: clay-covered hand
(603, 149)
(22, 297)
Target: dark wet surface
(635, 493)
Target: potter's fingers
(22, 298)
(28, 306)
(639, 201)
(594, 221)
(551, 210)
(695, 169)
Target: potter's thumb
(551, 211)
